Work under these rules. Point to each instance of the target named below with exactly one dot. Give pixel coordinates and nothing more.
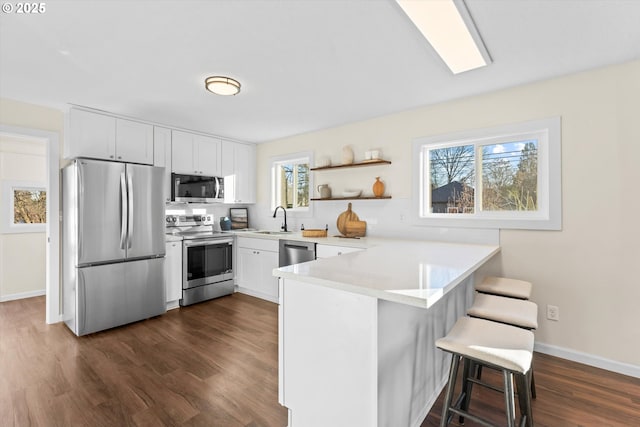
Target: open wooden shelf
(354, 198)
(354, 165)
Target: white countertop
(172, 238)
(362, 242)
(410, 272)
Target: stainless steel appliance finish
(207, 258)
(196, 188)
(113, 244)
(294, 252)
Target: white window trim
(8, 226)
(549, 213)
(294, 212)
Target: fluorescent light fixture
(222, 85)
(448, 26)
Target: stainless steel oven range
(207, 258)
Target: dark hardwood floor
(211, 364)
(568, 394)
(215, 364)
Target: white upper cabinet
(239, 172)
(195, 154)
(162, 156)
(91, 135)
(134, 142)
(105, 137)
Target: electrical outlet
(553, 312)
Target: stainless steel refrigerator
(113, 244)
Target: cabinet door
(207, 155)
(254, 273)
(269, 284)
(91, 135)
(247, 273)
(227, 168)
(239, 172)
(173, 271)
(245, 172)
(134, 142)
(162, 156)
(182, 148)
(227, 158)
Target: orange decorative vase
(378, 187)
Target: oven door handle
(203, 242)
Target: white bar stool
(505, 287)
(502, 347)
(510, 311)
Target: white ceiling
(304, 65)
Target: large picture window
(291, 183)
(506, 177)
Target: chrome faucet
(284, 226)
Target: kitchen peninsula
(357, 331)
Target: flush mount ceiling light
(448, 26)
(222, 85)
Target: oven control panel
(182, 220)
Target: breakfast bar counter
(357, 332)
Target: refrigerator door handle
(80, 205)
(130, 208)
(123, 212)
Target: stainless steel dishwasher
(294, 252)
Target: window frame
(8, 189)
(548, 216)
(300, 157)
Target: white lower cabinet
(173, 273)
(255, 261)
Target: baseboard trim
(256, 294)
(427, 408)
(588, 359)
(23, 295)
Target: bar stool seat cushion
(505, 310)
(507, 287)
(504, 346)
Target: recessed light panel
(447, 25)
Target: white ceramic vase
(347, 155)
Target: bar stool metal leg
(508, 399)
(453, 374)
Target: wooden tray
(314, 232)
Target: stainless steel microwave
(196, 188)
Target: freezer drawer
(117, 294)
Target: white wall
(591, 268)
(47, 124)
(22, 255)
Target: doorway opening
(26, 145)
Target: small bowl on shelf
(351, 193)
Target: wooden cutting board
(345, 217)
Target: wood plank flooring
(215, 364)
(568, 394)
(211, 364)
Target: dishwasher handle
(303, 247)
